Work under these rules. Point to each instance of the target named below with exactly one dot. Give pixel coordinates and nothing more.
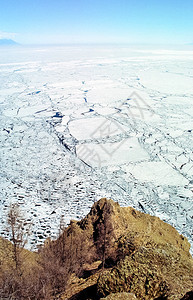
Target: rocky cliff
(114, 253)
(128, 255)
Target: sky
(97, 21)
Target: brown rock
(144, 255)
(120, 296)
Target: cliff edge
(127, 251)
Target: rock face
(149, 274)
(140, 254)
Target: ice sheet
(63, 107)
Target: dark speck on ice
(58, 115)
(34, 93)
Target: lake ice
(81, 123)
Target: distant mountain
(7, 42)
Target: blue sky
(97, 21)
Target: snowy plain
(81, 123)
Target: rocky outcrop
(139, 254)
(149, 274)
(113, 253)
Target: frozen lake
(81, 123)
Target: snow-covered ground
(81, 123)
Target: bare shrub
(19, 232)
(103, 234)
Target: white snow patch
(158, 172)
(96, 127)
(108, 154)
